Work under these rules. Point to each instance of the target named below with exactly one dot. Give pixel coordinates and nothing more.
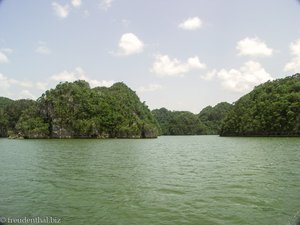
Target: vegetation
(76, 110)
(212, 117)
(10, 112)
(271, 109)
(178, 122)
(208, 121)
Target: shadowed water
(170, 180)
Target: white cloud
(253, 47)
(76, 3)
(195, 63)
(294, 64)
(150, 88)
(9, 86)
(79, 74)
(101, 83)
(8, 82)
(3, 57)
(192, 23)
(4, 83)
(210, 75)
(25, 84)
(130, 44)
(106, 4)
(244, 79)
(43, 49)
(165, 66)
(60, 10)
(42, 86)
(26, 94)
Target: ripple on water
(170, 180)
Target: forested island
(271, 109)
(74, 110)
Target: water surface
(166, 181)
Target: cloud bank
(165, 66)
(294, 64)
(253, 47)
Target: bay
(169, 180)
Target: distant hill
(271, 109)
(212, 117)
(208, 121)
(74, 110)
(178, 122)
(4, 102)
(10, 112)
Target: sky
(182, 55)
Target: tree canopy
(10, 112)
(208, 121)
(76, 110)
(73, 109)
(212, 117)
(178, 122)
(271, 109)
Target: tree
(76, 110)
(212, 117)
(272, 108)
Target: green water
(201, 180)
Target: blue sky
(182, 55)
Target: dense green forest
(76, 110)
(10, 112)
(208, 121)
(178, 122)
(212, 117)
(271, 109)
